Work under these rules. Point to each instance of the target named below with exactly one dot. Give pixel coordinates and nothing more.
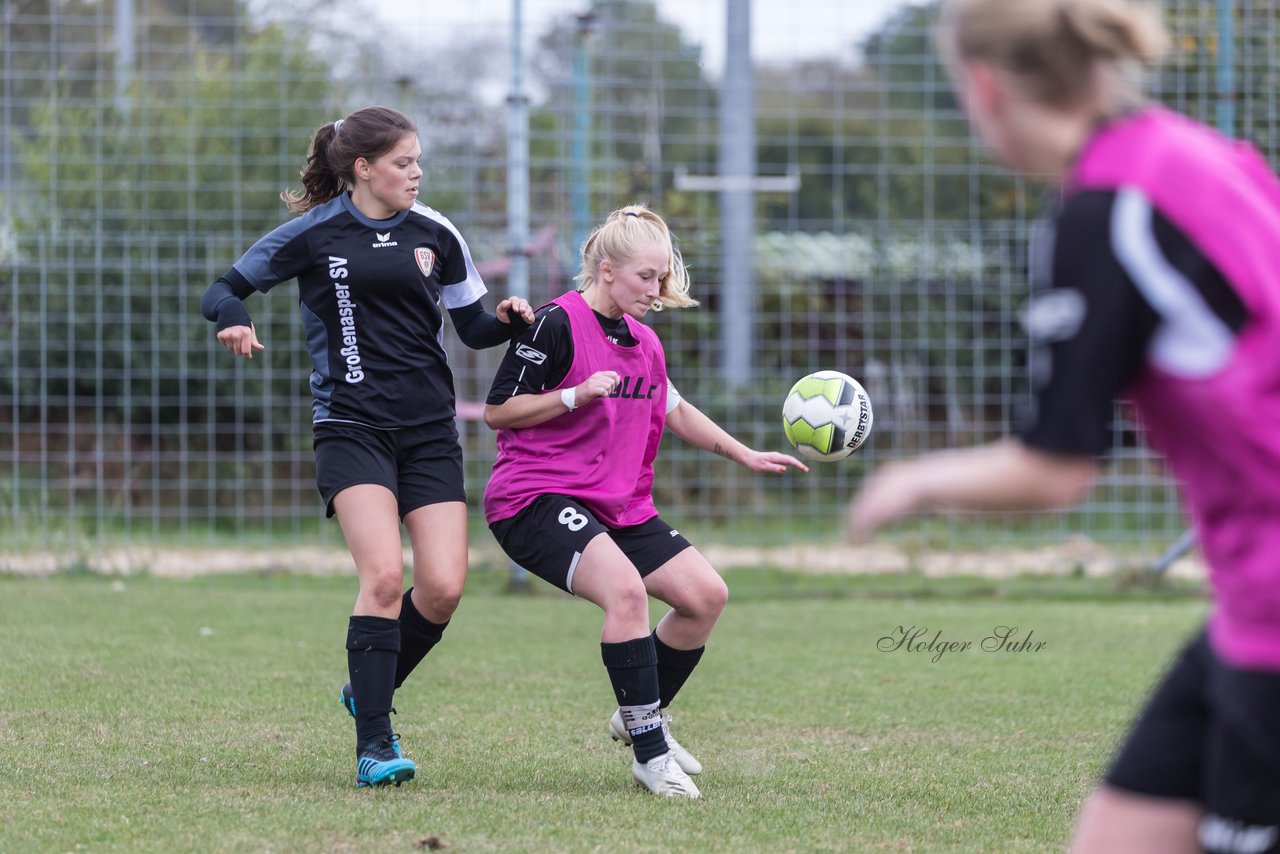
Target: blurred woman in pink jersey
(580, 403)
(1156, 279)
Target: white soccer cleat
(688, 763)
(662, 775)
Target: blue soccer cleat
(379, 763)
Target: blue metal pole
(517, 163)
(1226, 94)
(580, 187)
(518, 193)
(125, 54)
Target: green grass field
(202, 715)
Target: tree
(130, 214)
(939, 172)
(651, 109)
(818, 117)
(1188, 80)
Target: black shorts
(548, 538)
(1210, 733)
(421, 465)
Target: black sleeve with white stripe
(478, 329)
(537, 360)
(1126, 287)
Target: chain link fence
(144, 148)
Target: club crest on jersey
(383, 240)
(426, 259)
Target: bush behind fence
(900, 260)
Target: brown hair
(617, 240)
(1053, 47)
(330, 170)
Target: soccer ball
(827, 416)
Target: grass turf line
(203, 715)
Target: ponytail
(335, 147)
(320, 181)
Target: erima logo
(383, 240)
(531, 355)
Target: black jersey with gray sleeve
(1098, 312)
(370, 294)
(541, 357)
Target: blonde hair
(1054, 48)
(618, 239)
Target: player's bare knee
(705, 603)
(442, 591)
(630, 604)
(445, 600)
(717, 596)
(383, 589)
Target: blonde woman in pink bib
(580, 404)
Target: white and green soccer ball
(827, 416)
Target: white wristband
(569, 397)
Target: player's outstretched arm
(526, 410)
(478, 329)
(1004, 475)
(689, 423)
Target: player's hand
(240, 340)
(772, 461)
(515, 305)
(599, 384)
(894, 492)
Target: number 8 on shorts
(572, 519)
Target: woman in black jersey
(373, 266)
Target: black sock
(633, 671)
(417, 636)
(373, 645)
(674, 667)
